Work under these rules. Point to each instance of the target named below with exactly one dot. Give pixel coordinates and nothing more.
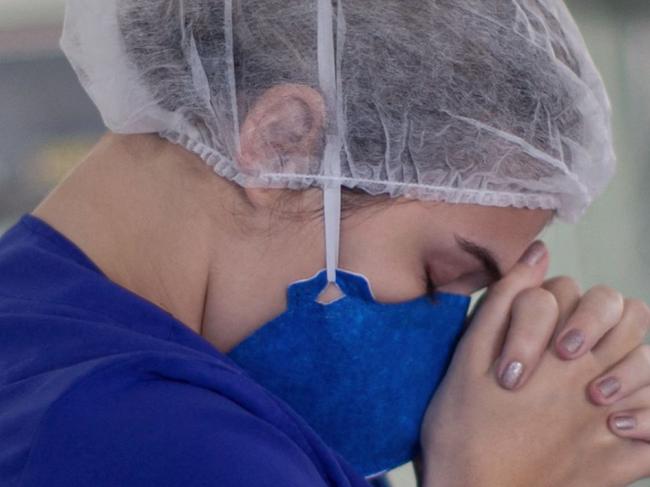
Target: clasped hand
(570, 405)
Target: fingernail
(572, 341)
(511, 375)
(534, 254)
(625, 422)
(608, 387)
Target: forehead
(505, 232)
(491, 222)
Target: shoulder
(146, 430)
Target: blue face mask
(361, 373)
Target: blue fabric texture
(360, 372)
(101, 388)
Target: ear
(283, 130)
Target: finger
(599, 310)
(637, 400)
(627, 335)
(528, 339)
(632, 423)
(487, 330)
(532, 322)
(626, 377)
(567, 293)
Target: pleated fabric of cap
(476, 101)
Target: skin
(505, 446)
(219, 258)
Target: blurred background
(47, 124)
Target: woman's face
(456, 248)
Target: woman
(148, 335)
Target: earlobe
(283, 131)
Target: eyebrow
(483, 255)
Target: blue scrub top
(99, 387)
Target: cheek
(450, 263)
(396, 287)
(467, 284)
(391, 282)
(455, 272)
(445, 269)
(393, 266)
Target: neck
(160, 223)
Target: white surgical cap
(489, 102)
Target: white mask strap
(332, 207)
(327, 69)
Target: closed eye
(483, 255)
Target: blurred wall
(47, 123)
(610, 244)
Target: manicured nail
(511, 375)
(572, 341)
(534, 254)
(625, 422)
(608, 387)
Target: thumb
(489, 322)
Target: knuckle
(525, 344)
(638, 308)
(607, 294)
(503, 289)
(637, 318)
(495, 291)
(507, 283)
(564, 284)
(537, 298)
(604, 304)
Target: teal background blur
(47, 124)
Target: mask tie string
(332, 209)
(331, 169)
(332, 156)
